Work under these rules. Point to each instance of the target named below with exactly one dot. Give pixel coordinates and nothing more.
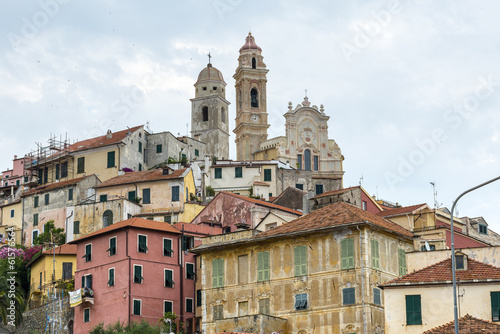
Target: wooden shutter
(265, 256)
(221, 272)
(296, 253)
(111, 159)
(146, 196)
(375, 254)
(350, 249)
(413, 310)
(260, 266)
(303, 260)
(495, 305)
(215, 273)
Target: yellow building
(11, 221)
(317, 274)
(44, 271)
(163, 194)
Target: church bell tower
(251, 100)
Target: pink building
(137, 269)
(13, 178)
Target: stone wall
(35, 320)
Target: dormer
(460, 261)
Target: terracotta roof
(132, 222)
(336, 214)
(65, 249)
(335, 192)
(441, 272)
(52, 186)
(467, 325)
(263, 203)
(250, 43)
(143, 176)
(400, 211)
(258, 183)
(116, 137)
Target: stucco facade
(11, 219)
(164, 145)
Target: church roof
(210, 73)
(250, 44)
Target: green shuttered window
(375, 255)
(413, 310)
(495, 305)
(300, 260)
(217, 273)
(111, 159)
(137, 307)
(267, 175)
(169, 278)
(80, 165)
(167, 247)
(263, 266)
(349, 296)
(347, 253)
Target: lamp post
(453, 268)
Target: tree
(51, 234)
(142, 327)
(169, 322)
(12, 302)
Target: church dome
(210, 73)
(250, 44)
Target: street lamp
(453, 269)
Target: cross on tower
(209, 56)
(305, 90)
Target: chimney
(165, 171)
(15, 157)
(109, 134)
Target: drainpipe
(181, 267)
(363, 267)
(119, 151)
(129, 271)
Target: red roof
(53, 186)
(467, 325)
(143, 176)
(132, 222)
(263, 203)
(400, 211)
(336, 214)
(441, 272)
(116, 137)
(65, 249)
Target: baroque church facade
(305, 147)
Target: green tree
(142, 327)
(51, 234)
(12, 302)
(169, 322)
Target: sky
(412, 88)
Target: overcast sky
(412, 88)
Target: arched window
(107, 218)
(204, 111)
(254, 98)
(254, 62)
(222, 115)
(307, 160)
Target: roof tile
(53, 186)
(400, 211)
(467, 325)
(143, 176)
(263, 203)
(116, 137)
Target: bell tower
(209, 112)
(251, 100)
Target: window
(35, 219)
(299, 161)
(300, 260)
(198, 298)
(242, 308)
(107, 218)
(402, 262)
(169, 278)
(189, 305)
(57, 171)
(218, 312)
(111, 276)
(175, 193)
(254, 98)
(495, 305)
(103, 198)
(190, 271)
(307, 159)
(80, 165)
(254, 63)
(349, 296)
(88, 253)
(64, 170)
(70, 194)
(347, 253)
(87, 281)
(363, 205)
(35, 202)
(111, 159)
(187, 242)
(168, 306)
(137, 307)
(267, 175)
(301, 301)
(167, 247)
(204, 112)
(222, 114)
(218, 173)
(34, 235)
(316, 162)
(263, 266)
(140, 166)
(159, 148)
(238, 172)
(138, 274)
(376, 296)
(264, 307)
(86, 314)
(299, 186)
(459, 262)
(319, 189)
(146, 196)
(142, 243)
(67, 270)
(140, 147)
(413, 310)
(131, 196)
(196, 152)
(47, 198)
(217, 273)
(12, 213)
(375, 255)
(112, 246)
(76, 227)
(167, 219)
(483, 229)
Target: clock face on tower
(255, 118)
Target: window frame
(80, 165)
(46, 199)
(110, 249)
(165, 304)
(148, 197)
(111, 158)
(217, 173)
(86, 312)
(171, 247)
(133, 306)
(159, 148)
(112, 269)
(35, 219)
(300, 260)
(301, 301)
(76, 223)
(377, 296)
(141, 273)
(172, 284)
(495, 306)
(218, 278)
(35, 201)
(103, 198)
(349, 296)
(175, 196)
(375, 252)
(268, 175)
(187, 299)
(138, 243)
(348, 260)
(86, 256)
(70, 194)
(412, 313)
(219, 315)
(263, 271)
(238, 172)
(188, 275)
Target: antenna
(434, 194)
(361, 179)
